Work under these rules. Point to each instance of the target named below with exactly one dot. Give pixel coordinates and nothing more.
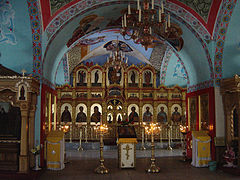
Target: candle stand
(184, 132)
(101, 169)
(65, 128)
(152, 129)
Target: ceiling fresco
(83, 22)
(204, 11)
(202, 7)
(55, 5)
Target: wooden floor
(171, 169)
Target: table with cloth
(201, 152)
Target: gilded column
(169, 111)
(89, 79)
(74, 106)
(141, 112)
(88, 112)
(140, 80)
(55, 112)
(155, 112)
(169, 105)
(126, 84)
(74, 79)
(103, 79)
(184, 104)
(125, 79)
(103, 83)
(154, 80)
(50, 112)
(104, 114)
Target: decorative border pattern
(188, 17)
(220, 37)
(203, 8)
(35, 19)
(65, 69)
(202, 85)
(164, 64)
(83, 7)
(219, 19)
(64, 60)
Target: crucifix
(127, 148)
(23, 72)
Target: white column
(219, 113)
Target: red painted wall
(212, 124)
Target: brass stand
(143, 147)
(184, 147)
(169, 138)
(80, 140)
(101, 169)
(153, 168)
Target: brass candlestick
(101, 169)
(151, 130)
(184, 132)
(65, 129)
(80, 139)
(169, 137)
(143, 147)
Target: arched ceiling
(205, 11)
(61, 18)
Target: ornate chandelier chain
(139, 24)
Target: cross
(127, 148)
(23, 72)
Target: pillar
(55, 112)
(32, 128)
(24, 158)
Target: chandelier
(117, 58)
(140, 24)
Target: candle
(125, 20)
(162, 8)
(80, 136)
(159, 15)
(152, 4)
(139, 17)
(169, 24)
(165, 26)
(122, 22)
(138, 5)
(129, 9)
(150, 29)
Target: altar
(127, 141)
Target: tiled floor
(82, 165)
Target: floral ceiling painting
(7, 34)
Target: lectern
(127, 140)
